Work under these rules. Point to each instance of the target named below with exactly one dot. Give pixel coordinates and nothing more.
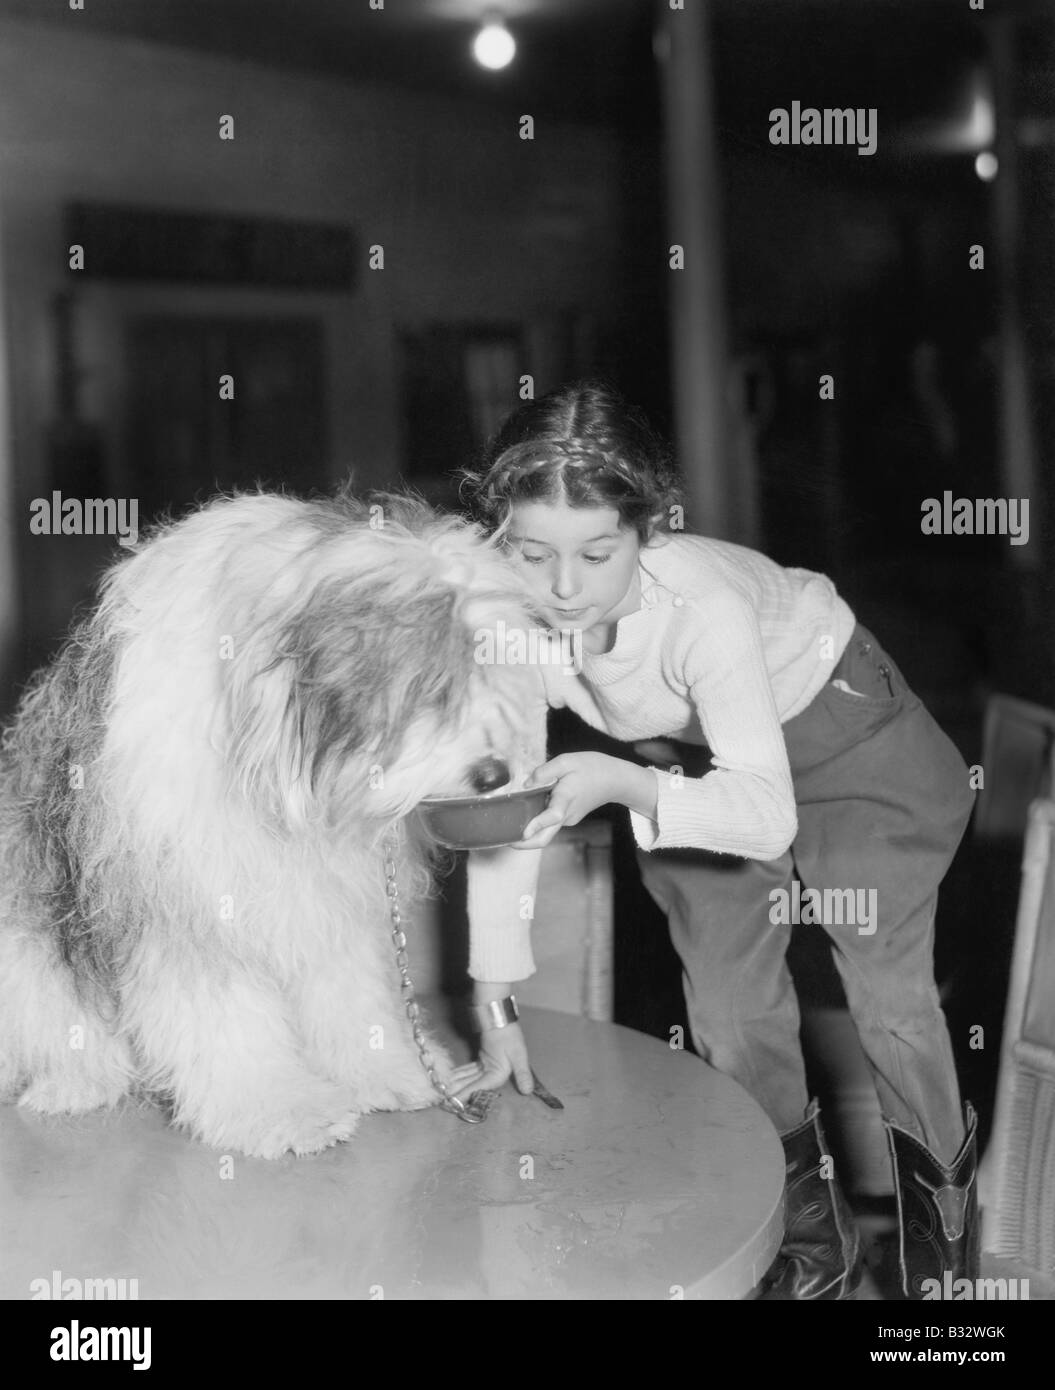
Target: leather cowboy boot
(937, 1209)
(821, 1254)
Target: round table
(659, 1179)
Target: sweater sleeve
(746, 804)
(503, 883)
(502, 887)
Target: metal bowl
(483, 822)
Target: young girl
(824, 767)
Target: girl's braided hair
(582, 444)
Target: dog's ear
(362, 664)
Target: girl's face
(580, 562)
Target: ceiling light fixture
(986, 166)
(494, 46)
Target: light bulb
(494, 46)
(986, 165)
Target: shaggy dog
(197, 797)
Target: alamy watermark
(533, 646)
(827, 907)
(960, 1290)
(978, 516)
(77, 1343)
(62, 1287)
(808, 125)
(88, 516)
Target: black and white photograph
(527, 665)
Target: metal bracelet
(498, 1013)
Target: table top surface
(659, 1179)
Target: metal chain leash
(410, 1003)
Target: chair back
(1018, 764)
(1019, 1217)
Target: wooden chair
(1018, 765)
(1019, 1214)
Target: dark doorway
(186, 443)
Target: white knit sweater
(726, 647)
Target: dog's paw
(418, 1095)
(309, 1136)
(411, 1091)
(67, 1095)
(298, 1134)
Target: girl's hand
(503, 1054)
(584, 782)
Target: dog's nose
(488, 775)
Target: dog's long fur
(194, 801)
